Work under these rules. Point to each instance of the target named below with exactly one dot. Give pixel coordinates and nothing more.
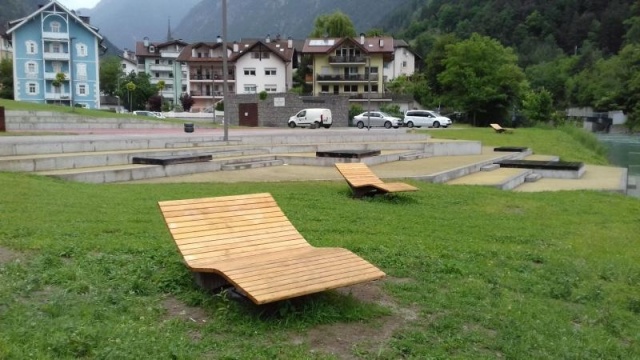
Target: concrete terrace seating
(363, 181)
(250, 243)
(499, 129)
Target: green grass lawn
(90, 271)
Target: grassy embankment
(91, 271)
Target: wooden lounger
(500, 129)
(248, 241)
(363, 181)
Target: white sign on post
(279, 101)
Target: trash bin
(188, 127)
(3, 125)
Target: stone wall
(276, 109)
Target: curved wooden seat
(248, 241)
(363, 181)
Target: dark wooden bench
(363, 181)
(248, 241)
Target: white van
(311, 117)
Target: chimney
(361, 38)
(145, 41)
(235, 46)
(268, 39)
(381, 42)
(193, 52)
(289, 42)
(219, 39)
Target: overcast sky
(78, 4)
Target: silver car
(376, 118)
(428, 118)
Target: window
(81, 71)
(32, 88)
(250, 89)
(55, 48)
(81, 49)
(324, 89)
(271, 88)
(32, 47)
(82, 89)
(31, 69)
(270, 72)
(157, 61)
(404, 64)
(157, 74)
(250, 71)
(350, 88)
(374, 88)
(260, 55)
(57, 67)
(55, 26)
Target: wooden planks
(500, 129)
(364, 182)
(249, 241)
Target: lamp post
(71, 72)
(224, 71)
(368, 72)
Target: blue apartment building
(53, 41)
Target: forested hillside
(571, 52)
(537, 29)
(15, 9)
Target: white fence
(216, 116)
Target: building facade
(6, 51)
(349, 66)
(56, 58)
(403, 63)
(160, 62)
(253, 66)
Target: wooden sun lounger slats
(363, 181)
(499, 129)
(248, 240)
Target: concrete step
(503, 178)
(413, 156)
(533, 177)
(252, 165)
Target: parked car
(376, 118)
(154, 114)
(314, 117)
(428, 118)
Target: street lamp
(368, 72)
(225, 71)
(71, 72)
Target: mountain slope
(257, 18)
(15, 9)
(126, 22)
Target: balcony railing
(52, 75)
(56, 55)
(158, 67)
(209, 93)
(347, 60)
(217, 77)
(350, 77)
(55, 35)
(57, 96)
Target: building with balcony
(403, 63)
(6, 51)
(349, 66)
(160, 62)
(252, 66)
(56, 57)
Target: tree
(538, 106)
(6, 79)
(187, 102)
(58, 81)
(110, 75)
(482, 77)
(131, 87)
(333, 25)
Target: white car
(376, 118)
(154, 114)
(428, 118)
